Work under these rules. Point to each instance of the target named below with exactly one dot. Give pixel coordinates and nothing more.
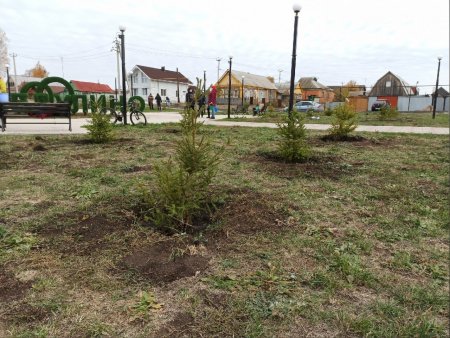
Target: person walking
(158, 101)
(190, 99)
(212, 102)
(201, 104)
(150, 102)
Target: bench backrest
(34, 108)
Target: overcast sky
(338, 41)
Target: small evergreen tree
(344, 122)
(387, 112)
(100, 128)
(292, 145)
(182, 183)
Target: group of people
(212, 102)
(190, 100)
(158, 100)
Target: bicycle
(136, 116)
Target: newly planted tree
(292, 145)
(182, 182)
(344, 121)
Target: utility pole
(218, 68)
(229, 85)
(116, 48)
(436, 90)
(15, 71)
(279, 75)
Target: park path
(77, 123)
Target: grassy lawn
(352, 243)
(369, 118)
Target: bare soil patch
(11, 288)
(26, 313)
(319, 166)
(165, 262)
(87, 235)
(177, 327)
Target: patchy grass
(416, 119)
(352, 242)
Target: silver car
(304, 106)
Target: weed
(146, 303)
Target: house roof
(252, 80)
(57, 89)
(163, 74)
(91, 87)
(379, 88)
(442, 92)
(311, 83)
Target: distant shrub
(387, 112)
(292, 145)
(344, 121)
(328, 112)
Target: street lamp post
(204, 82)
(243, 91)
(229, 86)
(296, 9)
(7, 81)
(124, 92)
(436, 90)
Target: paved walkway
(77, 123)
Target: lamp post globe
(297, 8)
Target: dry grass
(352, 243)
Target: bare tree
(3, 52)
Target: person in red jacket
(212, 102)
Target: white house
(148, 80)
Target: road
(77, 123)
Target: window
(388, 84)
(135, 92)
(135, 78)
(163, 92)
(144, 91)
(143, 78)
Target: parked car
(380, 104)
(304, 106)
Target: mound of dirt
(344, 138)
(319, 166)
(165, 262)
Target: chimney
(163, 68)
(271, 79)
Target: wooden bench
(34, 110)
